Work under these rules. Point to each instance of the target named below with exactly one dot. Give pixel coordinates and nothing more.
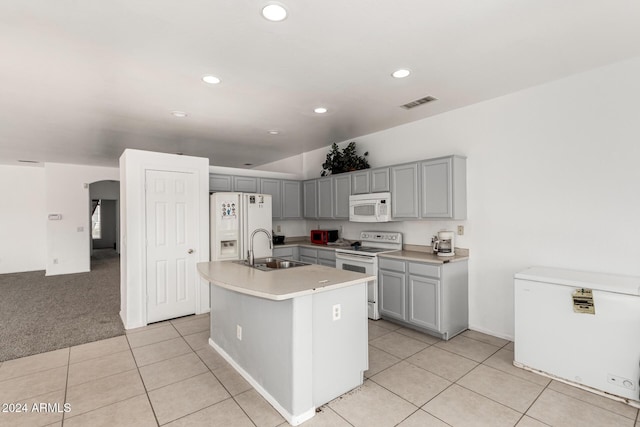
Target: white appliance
(444, 243)
(580, 327)
(234, 218)
(363, 258)
(374, 207)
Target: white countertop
(278, 284)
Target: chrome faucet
(250, 257)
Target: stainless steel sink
(272, 264)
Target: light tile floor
(166, 374)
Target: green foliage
(345, 161)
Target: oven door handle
(352, 257)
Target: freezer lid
(606, 282)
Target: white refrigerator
(234, 217)
(580, 327)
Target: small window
(96, 229)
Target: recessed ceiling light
(274, 12)
(320, 110)
(211, 80)
(179, 113)
(273, 132)
(401, 74)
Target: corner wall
(67, 193)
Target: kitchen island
(297, 335)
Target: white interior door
(171, 238)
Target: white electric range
(363, 258)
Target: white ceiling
(81, 80)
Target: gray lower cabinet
(290, 253)
(308, 255)
(220, 183)
(404, 191)
(325, 257)
(392, 292)
(273, 187)
(325, 198)
(310, 198)
(341, 193)
(380, 180)
(426, 296)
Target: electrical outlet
(55, 260)
(239, 332)
(337, 311)
(460, 230)
(278, 228)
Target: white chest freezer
(580, 327)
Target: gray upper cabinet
(310, 198)
(219, 183)
(360, 182)
(379, 180)
(404, 191)
(273, 187)
(428, 189)
(341, 193)
(291, 200)
(443, 188)
(325, 198)
(245, 184)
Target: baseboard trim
(488, 332)
(128, 326)
(294, 420)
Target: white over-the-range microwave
(374, 207)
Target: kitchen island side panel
(266, 350)
(340, 346)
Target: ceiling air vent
(419, 102)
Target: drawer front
(310, 260)
(420, 269)
(308, 252)
(392, 264)
(327, 262)
(328, 255)
(283, 252)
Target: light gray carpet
(39, 313)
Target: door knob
(190, 251)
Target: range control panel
(381, 236)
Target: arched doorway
(104, 211)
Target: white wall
(552, 175)
(293, 164)
(67, 193)
(22, 219)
